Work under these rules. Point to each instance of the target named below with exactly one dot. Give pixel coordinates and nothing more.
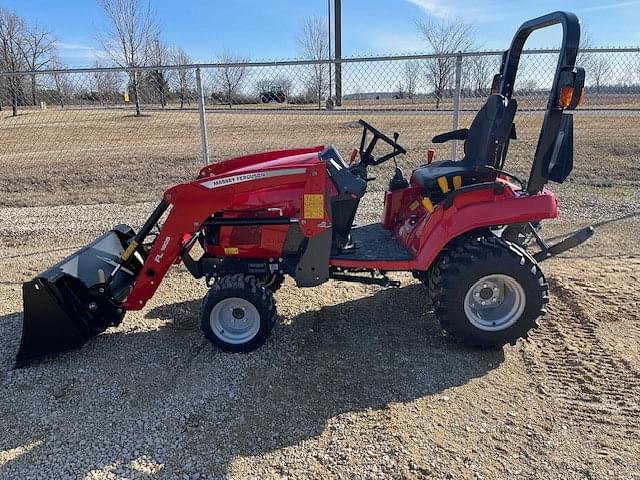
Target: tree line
(132, 37)
(23, 47)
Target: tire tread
(252, 287)
(451, 268)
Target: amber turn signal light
(567, 95)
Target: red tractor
(461, 227)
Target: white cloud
(397, 43)
(434, 7)
(76, 50)
(72, 46)
(470, 11)
(610, 6)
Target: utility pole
(338, 50)
(330, 65)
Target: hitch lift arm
(546, 252)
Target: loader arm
(192, 204)
(184, 218)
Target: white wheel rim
(234, 320)
(495, 302)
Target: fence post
(456, 105)
(203, 119)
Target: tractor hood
(261, 161)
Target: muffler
(77, 298)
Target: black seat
(485, 144)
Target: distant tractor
(274, 93)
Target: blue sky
(263, 29)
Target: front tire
(488, 293)
(238, 313)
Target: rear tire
(488, 293)
(430, 278)
(238, 313)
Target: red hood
(263, 161)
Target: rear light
(568, 95)
(571, 91)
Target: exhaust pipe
(78, 298)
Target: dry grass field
(356, 381)
(98, 156)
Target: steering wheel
(366, 154)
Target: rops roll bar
(568, 50)
(554, 153)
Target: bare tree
(3, 87)
(40, 47)
(13, 32)
(61, 81)
(599, 70)
(159, 55)
(411, 77)
(444, 37)
(132, 24)
(106, 85)
(358, 92)
(183, 76)
(529, 86)
(314, 44)
(584, 59)
(286, 84)
(230, 77)
(482, 69)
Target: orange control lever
(431, 153)
(354, 155)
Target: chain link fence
(175, 118)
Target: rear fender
(433, 232)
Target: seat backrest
(489, 132)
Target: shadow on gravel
(355, 356)
(167, 395)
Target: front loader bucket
(71, 302)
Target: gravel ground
(356, 381)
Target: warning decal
(314, 206)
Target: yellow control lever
(444, 184)
(428, 204)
